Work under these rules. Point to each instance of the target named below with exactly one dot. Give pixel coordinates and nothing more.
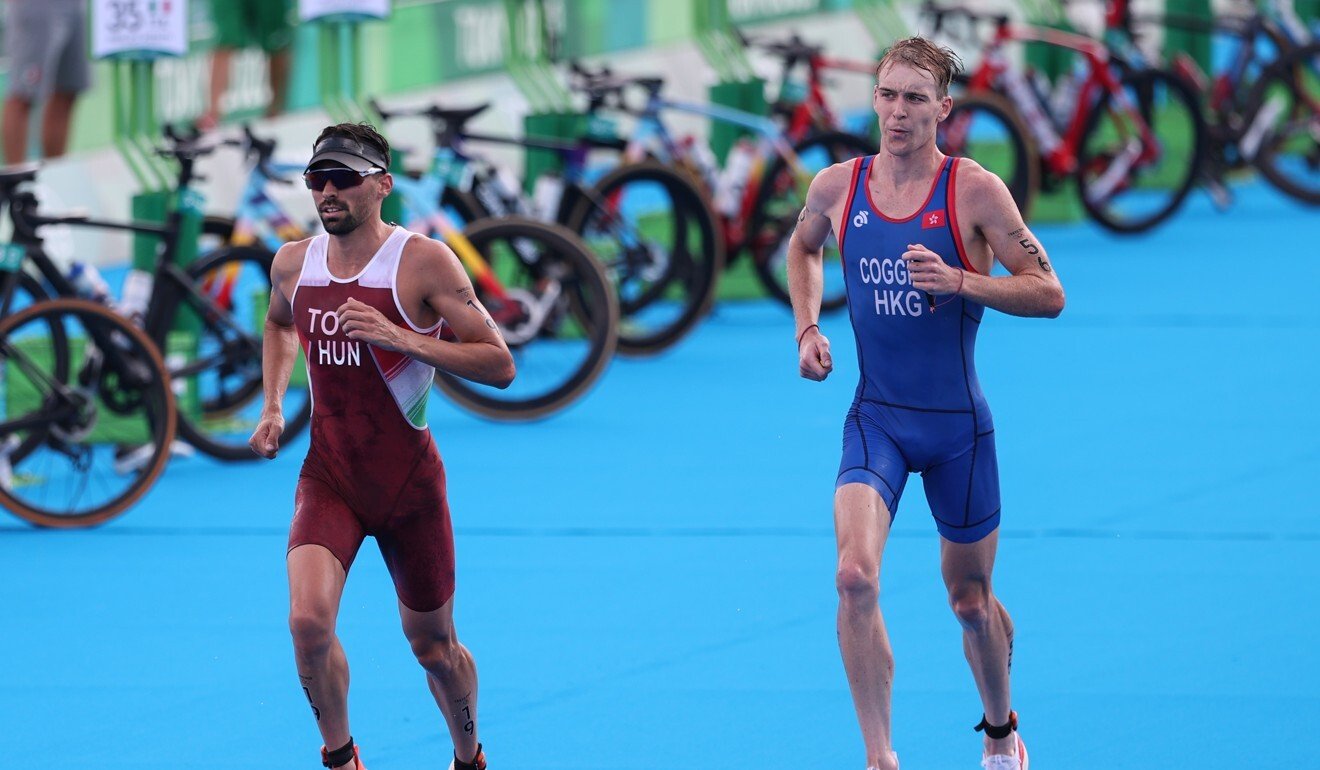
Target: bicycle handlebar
(189, 146)
(939, 13)
(790, 50)
(263, 150)
(605, 89)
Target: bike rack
(882, 21)
(132, 54)
(534, 45)
(1183, 40)
(738, 85)
(339, 49)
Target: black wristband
(804, 333)
(998, 732)
(340, 756)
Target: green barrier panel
(1195, 44)
(565, 126)
(341, 79)
(1051, 60)
(748, 96)
(738, 85)
(21, 397)
(551, 125)
(713, 31)
(339, 39)
(882, 22)
(528, 60)
(148, 207)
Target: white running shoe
(895, 755)
(1016, 761)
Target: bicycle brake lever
(272, 176)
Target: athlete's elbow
(503, 378)
(1054, 303)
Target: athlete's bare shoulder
(430, 264)
(291, 255)
(288, 263)
(982, 197)
(830, 187)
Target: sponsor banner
(752, 11)
(139, 28)
(311, 10)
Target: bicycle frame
(259, 218)
(651, 134)
(170, 280)
(422, 214)
(1061, 156)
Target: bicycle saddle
(455, 118)
(18, 173)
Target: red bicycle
(1132, 141)
(802, 103)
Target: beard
(346, 223)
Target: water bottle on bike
(733, 182)
(89, 283)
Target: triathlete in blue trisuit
(918, 232)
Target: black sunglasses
(343, 178)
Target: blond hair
(941, 62)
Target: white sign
(139, 28)
(311, 10)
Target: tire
(542, 270)
(664, 263)
(102, 428)
(1288, 154)
(778, 203)
(218, 226)
(217, 231)
(1153, 185)
(221, 378)
(27, 290)
(985, 127)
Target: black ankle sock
(473, 765)
(340, 756)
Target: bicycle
(258, 219)
(87, 414)
(551, 299)
(648, 226)
(1260, 111)
(802, 105)
(1133, 143)
(207, 316)
(758, 194)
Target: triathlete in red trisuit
(366, 302)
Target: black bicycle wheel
(213, 350)
(556, 310)
(1285, 126)
(1129, 184)
(86, 419)
(657, 239)
(18, 290)
(26, 291)
(779, 200)
(985, 127)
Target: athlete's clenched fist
(365, 323)
(814, 361)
